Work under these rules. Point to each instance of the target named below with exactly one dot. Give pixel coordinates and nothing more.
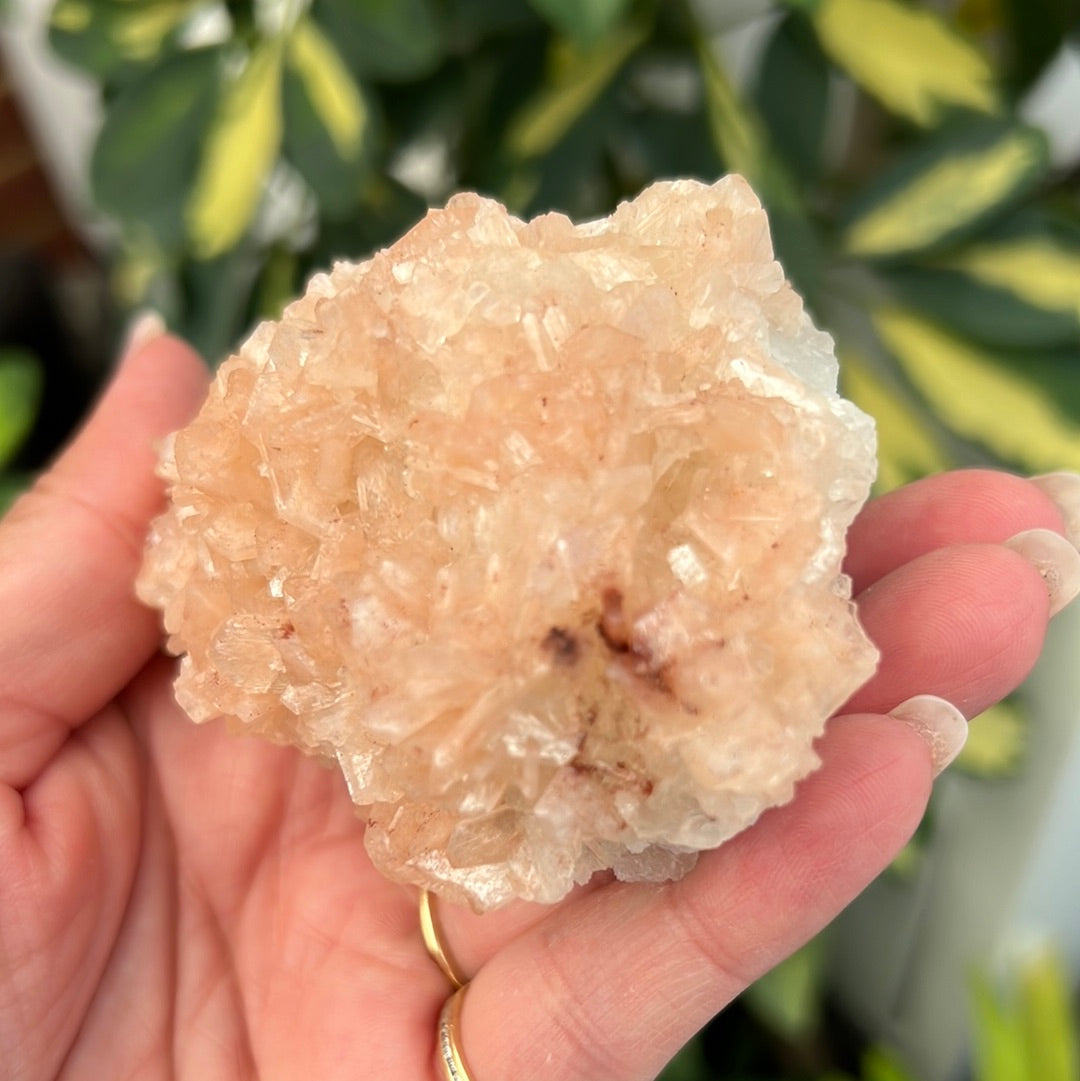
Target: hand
(177, 901)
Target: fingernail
(939, 722)
(1064, 489)
(145, 326)
(1055, 559)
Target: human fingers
(73, 633)
(609, 987)
(970, 506)
(965, 623)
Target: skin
(180, 902)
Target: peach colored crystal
(534, 529)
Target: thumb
(73, 633)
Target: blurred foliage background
(917, 205)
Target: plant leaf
(989, 313)
(791, 95)
(387, 209)
(1053, 1049)
(906, 57)
(996, 742)
(1024, 408)
(21, 386)
(328, 120)
(586, 21)
(391, 40)
(1037, 268)
(147, 153)
(880, 1064)
(219, 296)
(576, 78)
(740, 136)
(998, 1044)
(688, 1065)
(788, 998)
(949, 185)
(239, 152)
(104, 37)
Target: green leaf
(880, 1064)
(575, 80)
(389, 40)
(788, 998)
(791, 95)
(147, 153)
(105, 37)
(945, 188)
(996, 743)
(906, 57)
(21, 387)
(907, 450)
(1024, 408)
(1025, 1031)
(387, 209)
(277, 283)
(999, 1043)
(1053, 1047)
(219, 301)
(586, 21)
(1039, 268)
(985, 312)
(688, 1065)
(239, 152)
(329, 121)
(468, 22)
(740, 136)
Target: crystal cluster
(535, 530)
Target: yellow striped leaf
(240, 150)
(947, 190)
(577, 77)
(583, 20)
(105, 37)
(906, 57)
(1045, 1007)
(332, 91)
(1019, 418)
(998, 1050)
(740, 137)
(906, 449)
(1033, 268)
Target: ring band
(451, 1057)
(433, 942)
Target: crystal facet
(535, 529)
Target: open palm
(179, 901)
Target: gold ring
(451, 1057)
(435, 948)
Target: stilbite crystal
(536, 530)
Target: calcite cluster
(535, 530)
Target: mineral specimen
(535, 529)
